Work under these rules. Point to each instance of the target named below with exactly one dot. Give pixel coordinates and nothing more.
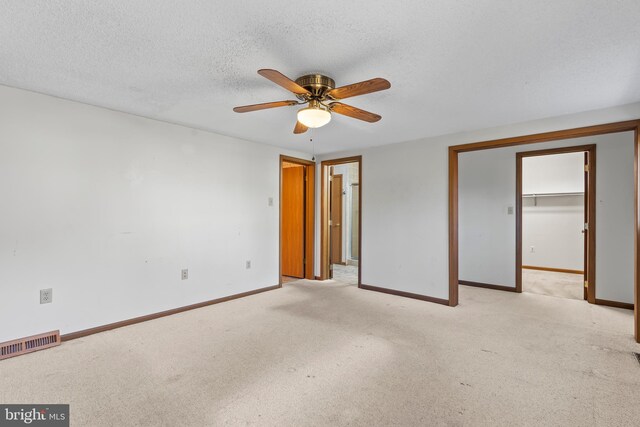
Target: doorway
(297, 205)
(631, 126)
(341, 220)
(555, 222)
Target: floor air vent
(29, 344)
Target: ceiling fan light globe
(314, 117)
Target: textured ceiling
(453, 65)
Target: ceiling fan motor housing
(317, 84)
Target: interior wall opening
(341, 215)
(554, 221)
(297, 201)
(344, 189)
(482, 224)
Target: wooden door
(293, 200)
(335, 215)
(585, 230)
(355, 221)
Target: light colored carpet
(563, 285)
(345, 273)
(326, 353)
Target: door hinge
(331, 267)
(586, 284)
(586, 168)
(330, 222)
(586, 225)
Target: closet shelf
(552, 194)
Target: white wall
(557, 173)
(552, 232)
(405, 205)
(487, 232)
(106, 208)
(486, 228)
(552, 225)
(404, 218)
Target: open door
(336, 219)
(293, 196)
(297, 207)
(589, 225)
(585, 231)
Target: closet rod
(552, 194)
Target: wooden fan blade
(256, 107)
(280, 79)
(300, 128)
(367, 86)
(356, 113)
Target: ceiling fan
(321, 95)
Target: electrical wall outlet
(247, 265)
(510, 210)
(46, 296)
(270, 201)
(532, 249)
(185, 274)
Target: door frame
(309, 217)
(626, 126)
(324, 214)
(589, 270)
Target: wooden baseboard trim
(487, 286)
(404, 294)
(616, 304)
(120, 324)
(557, 270)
